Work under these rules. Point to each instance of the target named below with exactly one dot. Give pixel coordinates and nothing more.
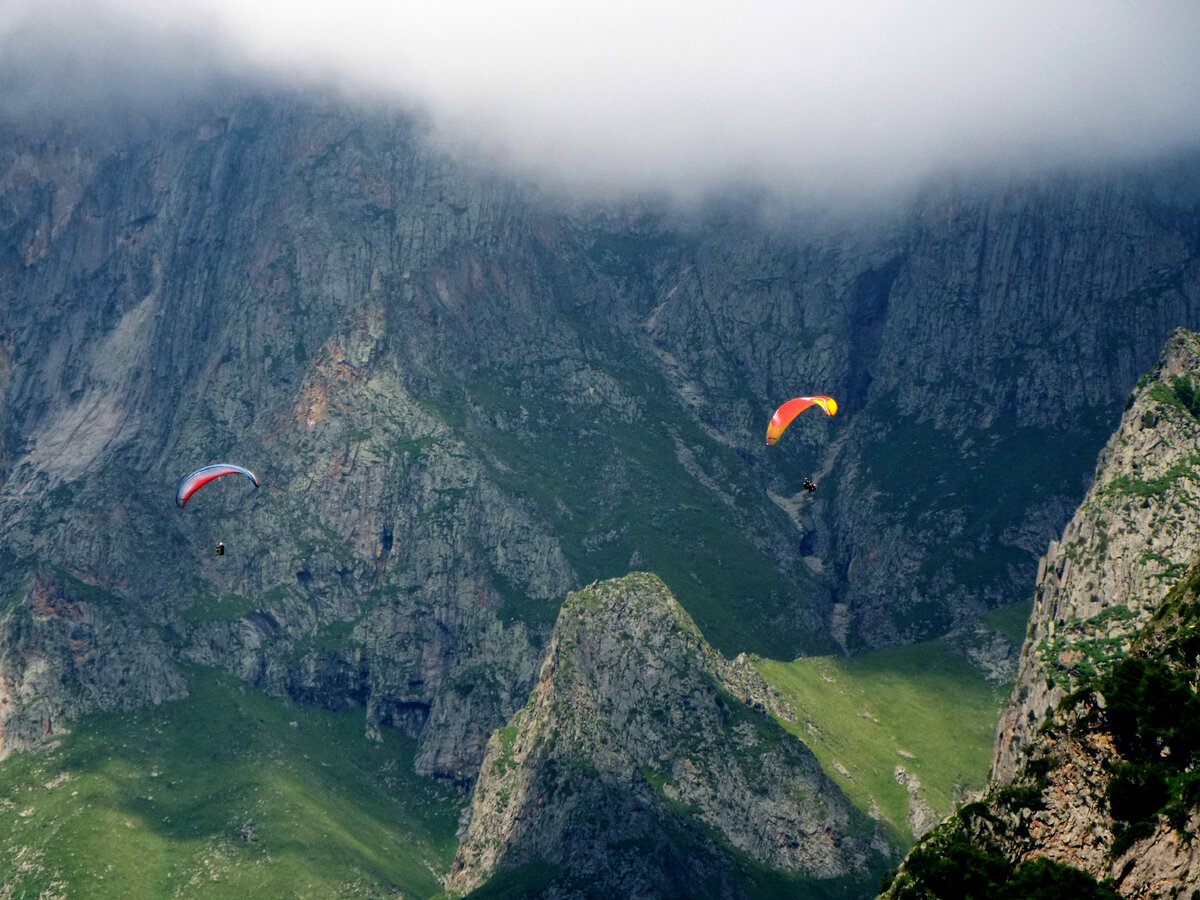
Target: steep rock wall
(1104, 790)
(66, 649)
(466, 398)
(1096, 751)
(1127, 544)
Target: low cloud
(800, 98)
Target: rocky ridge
(1096, 752)
(641, 768)
(1129, 542)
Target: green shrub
(1150, 706)
(1043, 879)
(1154, 718)
(1135, 795)
(1186, 393)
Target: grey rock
(634, 726)
(1127, 544)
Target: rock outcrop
(1105, 787)
(1128, 543)
(1094, 774)
(67, 648)
(639, 768)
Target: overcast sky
(676, 95)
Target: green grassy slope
(228, 793)
(1012, 621)
(924, 707)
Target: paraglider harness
(220, 551)
(810, 485)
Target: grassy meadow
(227, 793)
(925, 707)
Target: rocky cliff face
(379, 548)
(465, 398)
(1095, 755)
(66, 648)
(645, 765)
(1127, 544)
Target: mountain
(466, 397)
(646, 764)
(1096, 749)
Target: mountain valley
(524, 603)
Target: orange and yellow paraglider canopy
(784, 415)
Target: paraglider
(201, 477)
(784, 415)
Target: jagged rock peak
(1128, 542)
(639, 767)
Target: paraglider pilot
(810, 485)
(220, 548)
